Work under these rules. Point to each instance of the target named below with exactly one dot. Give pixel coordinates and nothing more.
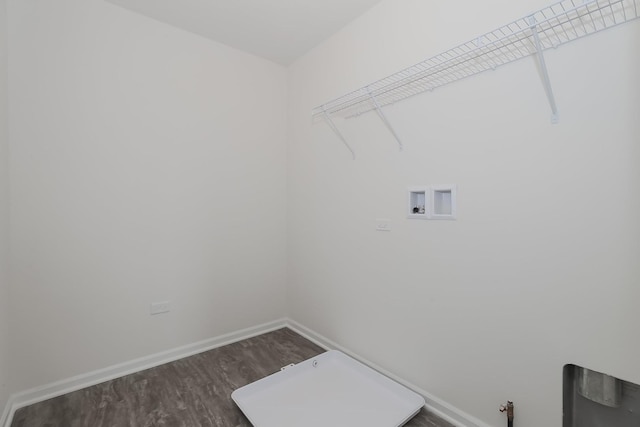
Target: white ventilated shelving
(557, 24)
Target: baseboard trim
(78, 382)
(7, 413)
(439, 407)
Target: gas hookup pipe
(508, 408)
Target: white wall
(540, 269)
(4, 214)
(148, 164)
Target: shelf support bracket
(335, 130)
(544, 71)
(384, 119)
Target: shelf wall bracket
(544, 71)
(335, 130)
(384, 119)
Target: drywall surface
(541, 267)
(148, 164)
(4, 214)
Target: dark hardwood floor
(191, 392)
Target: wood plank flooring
(191, 392)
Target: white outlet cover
(160, 307)
(383, 224)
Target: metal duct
(598, 387)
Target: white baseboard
(439, 407)
(78, 382)
(58, 388)
(7, 413)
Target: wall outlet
(383, 224)
(160, 307)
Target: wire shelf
(547, 28)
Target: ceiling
(278, 30)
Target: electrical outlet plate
(160, 307)
(383, 224)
